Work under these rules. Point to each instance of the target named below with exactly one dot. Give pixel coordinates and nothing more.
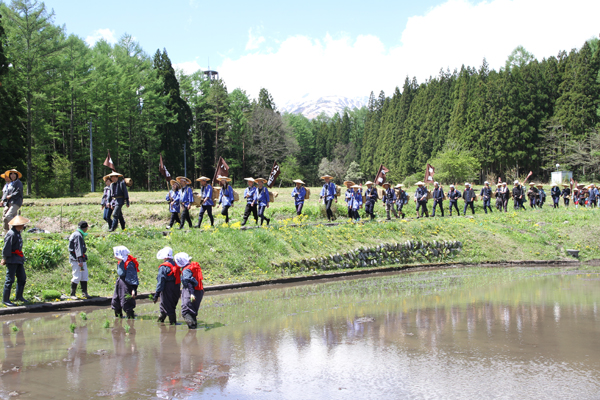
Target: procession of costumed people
(180, 278)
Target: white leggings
(79, 273)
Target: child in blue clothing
(126, 287)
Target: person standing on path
(119, 196)
(13, 258)
(168, 288)
(486, 196)
(206, 196)
(371, 198)
(174, 205)
(438, 198)
(249, 196)
(127, 283)
(186, 199)
(192, 290)
(453, 196)
(469, 198)
(78, 260)
(299, 193)
(14, 197)
(328, 195)
(105, 202)
(225, 196)
(262, 199)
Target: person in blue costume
(299, 194)
(356, 202)
(225, 197)
(438, 198)
(453, 196)
(105, 202)
(421, 198)
(249, 197)
(469, 198)
(186, 200)
(328, 195)
(593, 196)
(261, 200)
(127, 283)
(168, 286)
(174, 208)
(389, 200)
(541, 195)
(348, 197)
(371, 197)
(206, 197)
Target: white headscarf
(121, 252)
(182, 259)
(167, 252)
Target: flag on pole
(163, 170)
(275, 171)
(221, 170)
(429, 172)
(528, 175)
(109, 162)
(380, 177)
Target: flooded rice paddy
(473, 333)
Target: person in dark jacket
(249, 196)
(206, 196)
(186, 200)
(174, 207)
(389, 200)
(532, 195)
(78, 260)
(105, 202)
(469, 198)
(555, 193)
(541, 195)
(192, 289)
(505, 196)
(168, 288)
(486, 196)
(299, 194)
(438, 198)
(498, 195)
(421, 199)
(119, 196)
(371, 197)
(593, 196)
(566, 194)
(453, 196)
(261, 200)
(13, 200)
(401, 199)
(518, 194)
(13, 258)
(127, 283)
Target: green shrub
(44, 254)
(50, 294)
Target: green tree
(454, 165)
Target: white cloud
(454, 33)
(106, 34)
(188, 67)
(254, 41)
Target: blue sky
(345, 48)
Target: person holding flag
(249, 196)
(225, 196)
(206, 196)
(186, 199)
(328, 195)
(299, 193)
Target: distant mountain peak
(311, 106)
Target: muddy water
(470, 333)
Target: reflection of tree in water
(126, 360)
(13, 357)
(77, 355)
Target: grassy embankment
(228, 254)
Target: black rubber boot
(73, 289)
(130, 314)
(119, 314)
(189, 320)
(19, 296)
(245, 220)
(173, 319)
(162, 317)
(6, 298)
(84, 289)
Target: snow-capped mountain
(312, 107)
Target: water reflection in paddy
(470, 333)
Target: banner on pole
(221, 170)
(109, 162)
(429, 172)
(275, 171)
(380, 178)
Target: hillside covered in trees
(473, 123)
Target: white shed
(559, 177)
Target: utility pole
(92, 158)
(184, 161)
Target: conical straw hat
(18, 220)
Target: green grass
(228, 254)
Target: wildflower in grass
(15, 328)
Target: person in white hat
(371, 198)
(438, 198)
(119, 196)
(486, 196)
(126, 286)
(249, 196)
(299, 193)
(13, 258)
(469, 197)
(517, 194)
(168, 287)
(453, 196)
(192, 288)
